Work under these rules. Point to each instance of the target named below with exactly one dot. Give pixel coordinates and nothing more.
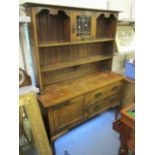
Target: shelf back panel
(73, 53)
(106, 26)
(53, 27)
(75, 72)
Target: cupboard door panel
(68, 113)
(83, 25)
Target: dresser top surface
(32, 4)
(67, 90)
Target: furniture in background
(24, 80)
(72, 55)
(130, 69)
(28, 101)
(23, 133)
(126, 128)
(124, 49)
(128, 95)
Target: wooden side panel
(128, 96)
(34, 46)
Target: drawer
(103, 93)
(102, 105)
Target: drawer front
(103, 93)
(102, 105)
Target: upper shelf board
(75, 43)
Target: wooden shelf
(90, 59)
(41, 45)
(66, 90)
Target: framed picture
(125, 39)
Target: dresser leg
(53, 148)
(124, 134)
(123, 150)
(118, 110)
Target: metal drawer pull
(112, 99)
(66, 103)
(97, 107)
(98, 95)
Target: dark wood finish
(126, 127)
(106, 25)
(73, 64)
(53, 25)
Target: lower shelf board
(62, 65)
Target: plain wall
(97, 4)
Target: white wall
(126, 6)
(97, 4)
(21, 62)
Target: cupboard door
(83, 25)
(68, 113)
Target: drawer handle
(87, 109)
(112, 99)
(66, 103)
(97, 107)
(114, 88)
(98, 95)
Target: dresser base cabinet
(67, 115)
(69, 111)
